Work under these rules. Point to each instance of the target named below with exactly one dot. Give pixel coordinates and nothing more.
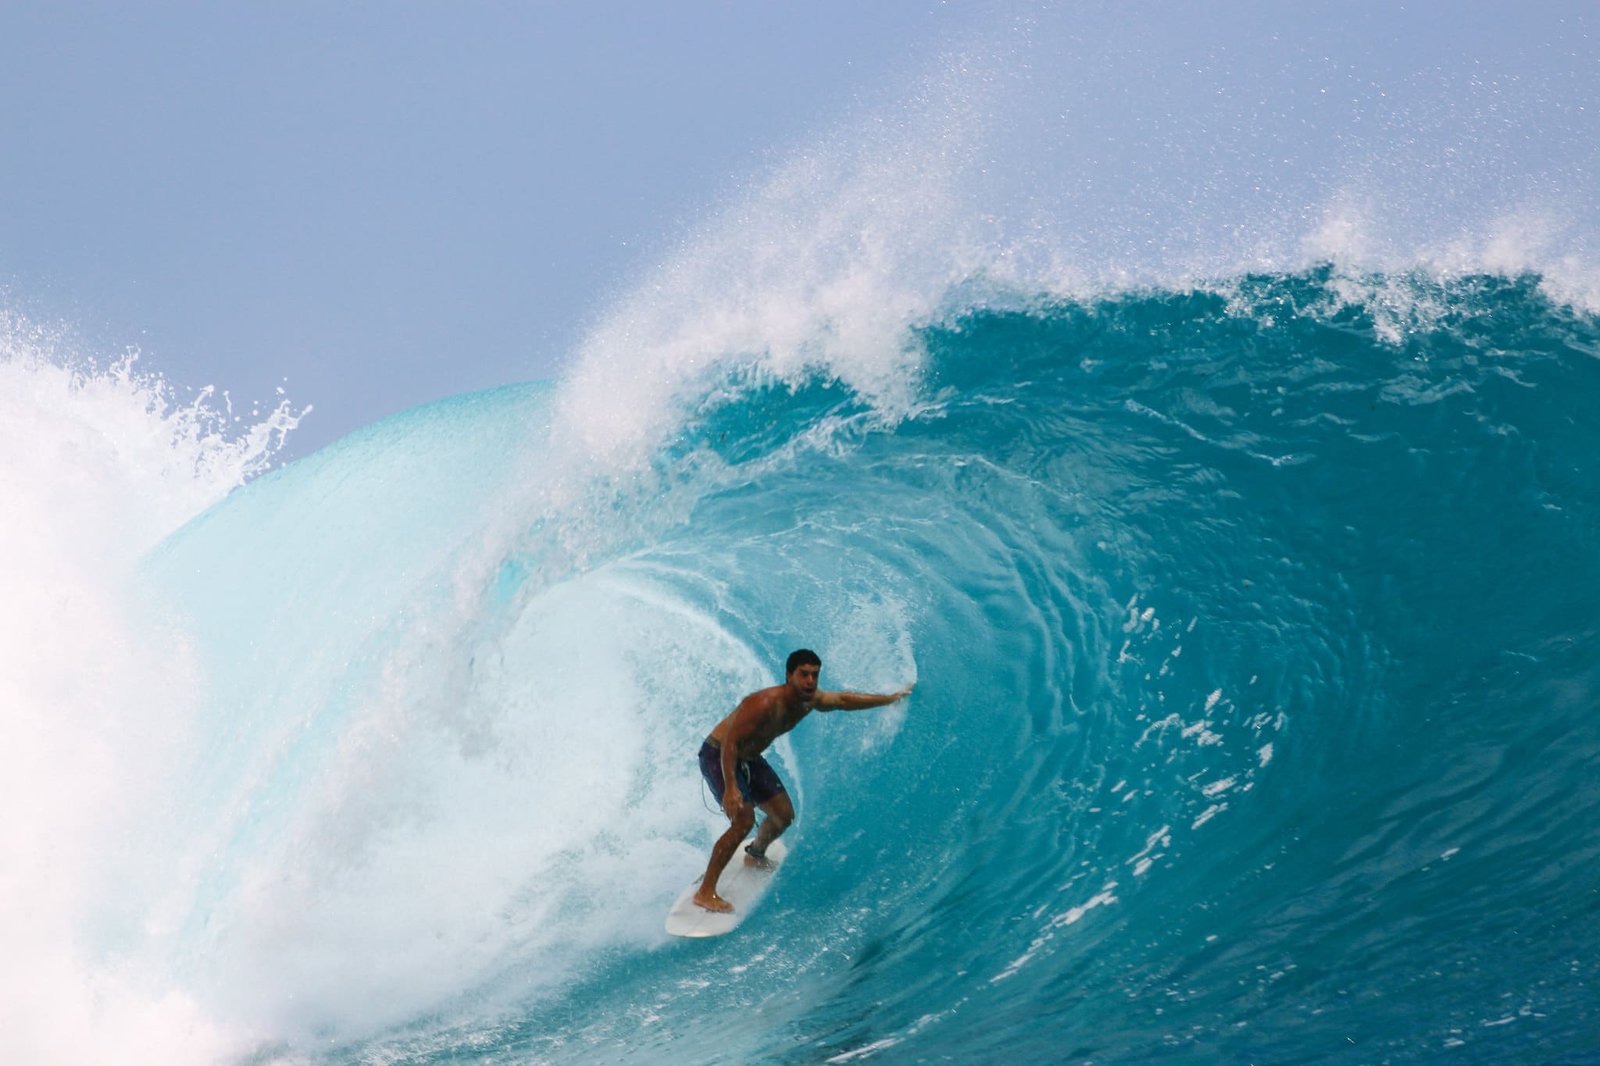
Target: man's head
(802, 657)
(802, 669)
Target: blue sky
(388, 203)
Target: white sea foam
(455, 841)
(820, 267)
(96, 464)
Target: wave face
(1254, 639)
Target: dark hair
(803, 657)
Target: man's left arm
(858, 701)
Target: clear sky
(384, 203)
(378, 204)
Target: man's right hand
(732, 802)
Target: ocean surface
(1254, 634)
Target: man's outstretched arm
(858, 701)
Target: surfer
(731, 762)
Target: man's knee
(780, 810)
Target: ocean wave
(1246, 620)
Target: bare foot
(760, 862)
(715, 903)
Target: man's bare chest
(774, 727)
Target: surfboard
(741, 885)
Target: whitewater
(1235, 517)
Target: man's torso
(770, 718)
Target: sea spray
(100, 462)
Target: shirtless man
(731, 762)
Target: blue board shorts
(758, 781)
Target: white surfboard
(741, 885)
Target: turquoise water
(1253, 628)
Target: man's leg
(721, 852)
(779, 814)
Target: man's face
(804, 679)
